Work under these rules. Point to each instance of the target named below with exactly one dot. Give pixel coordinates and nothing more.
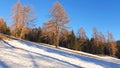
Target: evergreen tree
(72, 41)
(118, 48)
(3, 27)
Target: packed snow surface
(24, 54)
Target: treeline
(98, 44)
(55, 31)
(3, 27)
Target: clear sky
(104, 14)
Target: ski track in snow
(30, 55)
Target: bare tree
(96, 37)
(58, 20)
(22, 17)
(16, 16)
(82, 34)
(111, 44)
(98, 42)
(28, 19)
(102, 38)
(82, 38)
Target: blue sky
(103, 14)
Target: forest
(56, 32)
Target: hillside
(25, 54)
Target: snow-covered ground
(31, 55)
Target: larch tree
(102, 43)
(112, 45)
(64, 35)
(21, 17)
(98, 38)
(16, 18)
(82, 37)
(48, 33)
(58, 21)
(94, 40)
(28, 19)
(102, 38)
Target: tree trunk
(57, 40)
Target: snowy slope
(30, 55)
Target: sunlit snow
(30, 55)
